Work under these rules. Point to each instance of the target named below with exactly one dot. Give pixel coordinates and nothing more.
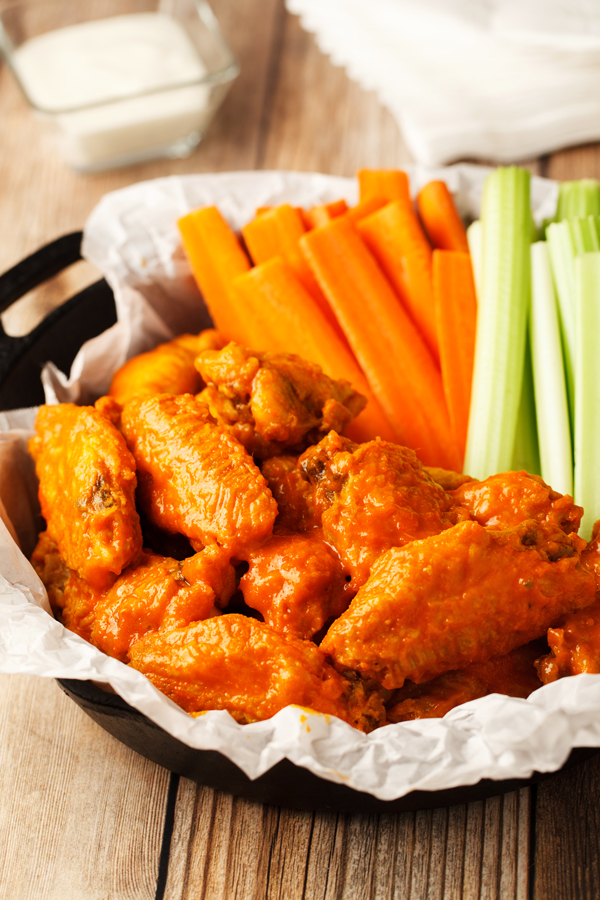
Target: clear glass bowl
(122, 81)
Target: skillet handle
(60, 334)
(37, 268)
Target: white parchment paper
(132, 237)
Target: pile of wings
(208, 525)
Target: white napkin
(498, 80)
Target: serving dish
(58, 338)
(478, 750)
(149, 76)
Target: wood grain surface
(81, 816)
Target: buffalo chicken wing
(87, 491)
(168, 369)
(297, 583)
(514, 675)
(160, 594)
(273, 402)
(374, 496)
(194, 477)
(235, 663)
(464, 596)
(507, 499)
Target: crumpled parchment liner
(132, 237)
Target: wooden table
(84, 818)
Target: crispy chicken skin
(235, 663)
(513, 674)
(460, 597)
(72, 599)
(160, 594)
(273, 402)
(446, 478)
(505, 500)
(87, 491)
(297, 583)
(575, 641)
(373, 496)
(294, 495)
(53, 571)
(194, 477)
(574, 646)
(167, 369)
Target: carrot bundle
(291, 322)
(440, 219)
(396, 240)
(355, 291)
(215, 256)
(456, 314)
(390, 350)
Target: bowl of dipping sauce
(123, 81)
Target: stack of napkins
(490, 79)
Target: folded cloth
(498, 80)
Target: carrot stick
(291, 322)
(390, 184)
(215, 256)
(390, 350)
(365, 208)
(394, 236)
(440, 219)
(276, 233)
(456, 314)
(321, 215)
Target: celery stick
(526, 452)
(501, 323)
(585, 234)
(578, 198)
(562, 262)
(554, 432)
(587, 393)
(475, 241)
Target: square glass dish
(122, 81)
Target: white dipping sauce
(105, 62)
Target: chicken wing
(507, 499)
(168, 369)
(235, 663)
(373, 496)
(575, 641)
(87, 491)
(194, 477)
(513, 674)
(460, 597)
(574, 646)
(297, 583)
(160, 594)
(274, 402)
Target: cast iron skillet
(58, 338)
